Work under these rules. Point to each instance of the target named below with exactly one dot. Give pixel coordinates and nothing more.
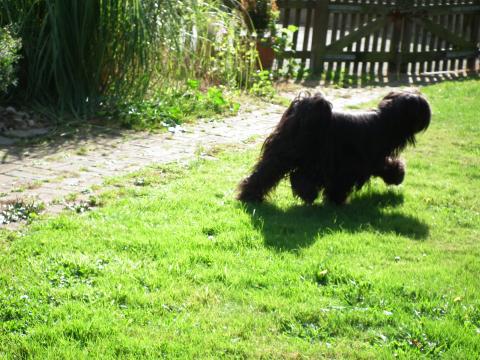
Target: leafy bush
(9, 48)
(263, 85)
(170, 107)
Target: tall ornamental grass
(80, 55)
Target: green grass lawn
(177, 268)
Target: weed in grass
(20, 210)
(34, 185)
(81, 151)
(57, 201)
(140, 182)
(95, 187)
(71, 197)
(252, 139)
(85, 205)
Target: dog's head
(408, 109)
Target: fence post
(474, 38)
(405, 44)
(394, 66)
(319, 36)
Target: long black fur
(337, 152)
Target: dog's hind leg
(339, 191)
(265, 176)
(303, 186)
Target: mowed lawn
(175, 267)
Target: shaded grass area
(174, 267)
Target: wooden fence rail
(384, 36)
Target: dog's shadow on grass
(299, 226)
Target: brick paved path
(50, 173)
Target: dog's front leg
(303, 186)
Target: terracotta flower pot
(266, 55)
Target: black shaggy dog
(337, 152)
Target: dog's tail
(282, 150)
(265, 176)
(300, 124)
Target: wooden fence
(384, 36)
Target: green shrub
(171, 107)
(263, 85)
(9, 47)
